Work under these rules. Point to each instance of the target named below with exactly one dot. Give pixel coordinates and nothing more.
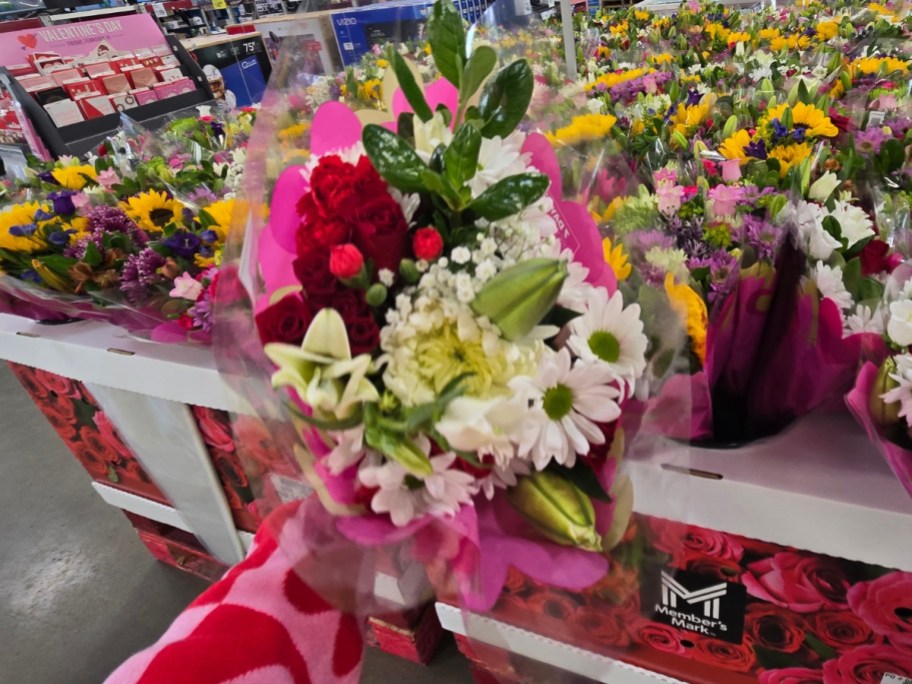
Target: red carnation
(875, 258)
(427, 244)
(345, 261)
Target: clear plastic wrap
(443, 336)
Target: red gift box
(142, 77)
(144, 96)
(176, 547)
(97, 69)
(83, 88)
(172, 88)
(86, 430)
(151, 61)
(169, 73)
(413, 635)
(95, 106)
(124, 63)
(63, 76)
(118, 83)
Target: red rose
(94, 465)
(61, 407)
(660, 637)
(427, 244)
(66, 429)
(843, 123)
(58, 384)
(727, 570)
(318, 233)
(285, 321)
(605, 628)
(800, 582)
(26, 377)
(215, 428)
(735, 657)
(792, 675)
(552, 605)
(258, 445)
(109, 434)
(772, 627)
(95, 441)
(875, 258)
(515, 581)
(885, 604)
(331, 187)
(320, 285)
(686, 542)
(345, 261)
(867, 665)
(380, 230)
(840, 629)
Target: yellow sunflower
(815, 121)
(370, 90)
(691, 309)
(616, 257)
(789, 155)
(733, 147)
(583, 128)
(20, 218)
(221, 212)
(153, 210)
(74, 177)
(826, 30)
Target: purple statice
(140, 271)
(202, 196)
(762, 236)
(868, 142)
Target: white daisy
(575, 291)
(808, 217)
(565, 405)
(610, 335)
(497, 159)
(902, 393)
(829, 282)
(865, 320)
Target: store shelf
(96, 352)
(820, 486)
(544, 650)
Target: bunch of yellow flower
(583, 128)
(74, 176)
(18, 228)
(612, 79)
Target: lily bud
(556, 508)
(884, 414)
(519, 297)
(731, 124)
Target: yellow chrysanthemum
(80, 224)
(769, 33)
(74, 177)
(738, 37)
(716, 31)
(294, 132)
(616, 257)
(370, 90)
(641, 15)
(789, 155)
(827, 29)
(733, 147)
(815, 121)
(619, 29)
(583, 128)
(637, 126)
(382, 63)
(221, 212)
(663, 58)
(692, 310)
(20, 215)
(152, 210)
(874, 65)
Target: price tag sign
(219, 4)
(158, 8)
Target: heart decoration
(30, 40)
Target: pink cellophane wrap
(900, 459)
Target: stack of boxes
(73, 89)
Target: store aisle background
(78, 591)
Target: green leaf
(447, 38)
(405, 125)
(871, 290)
(893, 155)
(506, 98)
(584, 478)
(410, 88)
(510, 196)
(774, 660)
(460, 161)
(393, 158)
(825, 652)
(480, 65)
(92, 255)
(831, 226)
(434, 182)
(344, 424)
(402, 450)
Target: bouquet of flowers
(132, 234)
(457, 379)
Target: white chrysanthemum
(486, 427)
(429, 135)
(865, 320)
(829, 282)
(902, 393)
(497, 159)
(610, 335)
(566, 401)
(669, 260)
(808, 218)
(853, 221)
(575, 291)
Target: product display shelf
(524, 643)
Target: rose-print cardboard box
(830, 601)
